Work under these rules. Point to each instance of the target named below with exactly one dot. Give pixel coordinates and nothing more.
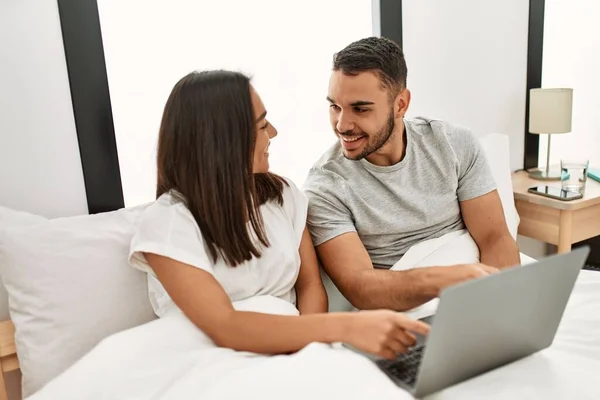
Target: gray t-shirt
(393, 208)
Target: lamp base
(542, 175)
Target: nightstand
(553, 221)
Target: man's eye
(334, 106)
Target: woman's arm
(311, 295)
(202, 299)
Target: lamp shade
(550, 110)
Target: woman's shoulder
(295, 204)
(167, 228)
(167, 209)
(291, 193)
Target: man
(390, 183)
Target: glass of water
(574, 174)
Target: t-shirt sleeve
(168, 229)
(475, 177)
(295, 205)
(328, 216)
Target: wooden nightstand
(553, 221)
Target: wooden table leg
(565, 230)
(3, 394)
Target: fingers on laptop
(402, 339)
(388, 353)
(400, 343)
(412, 325)
(396, 346)
(406, 338)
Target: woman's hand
(383, 333)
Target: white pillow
(11, 217)
(496, 147)
(69, 286)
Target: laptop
(489, 322)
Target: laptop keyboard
(406, 367)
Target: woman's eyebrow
(262, 116)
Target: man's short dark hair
(377, 54)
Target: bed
(81, 326)
(566, 370)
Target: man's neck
(393, 151)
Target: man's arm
(485, 221)
(347, 262)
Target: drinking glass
(574, 174)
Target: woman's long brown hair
(205, 157)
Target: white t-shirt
(167, 228)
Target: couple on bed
(224, 228)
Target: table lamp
(549, 113)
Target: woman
(224, 229)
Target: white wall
(467, 63)
(40, 167)
(286, 47)
(572, 59)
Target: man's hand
(451, 275)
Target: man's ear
(401, 103)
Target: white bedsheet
(171, 359)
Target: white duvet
(171, 359)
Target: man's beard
(381, 138)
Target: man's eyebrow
(362, 103)
(262, 116)
(355, 104)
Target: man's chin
(353, 155)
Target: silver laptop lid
(486, 323)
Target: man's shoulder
(333, 155)
(442, 132)
(328, 168)
(435, 126)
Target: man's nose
(344, 123)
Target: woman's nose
(272, 132)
